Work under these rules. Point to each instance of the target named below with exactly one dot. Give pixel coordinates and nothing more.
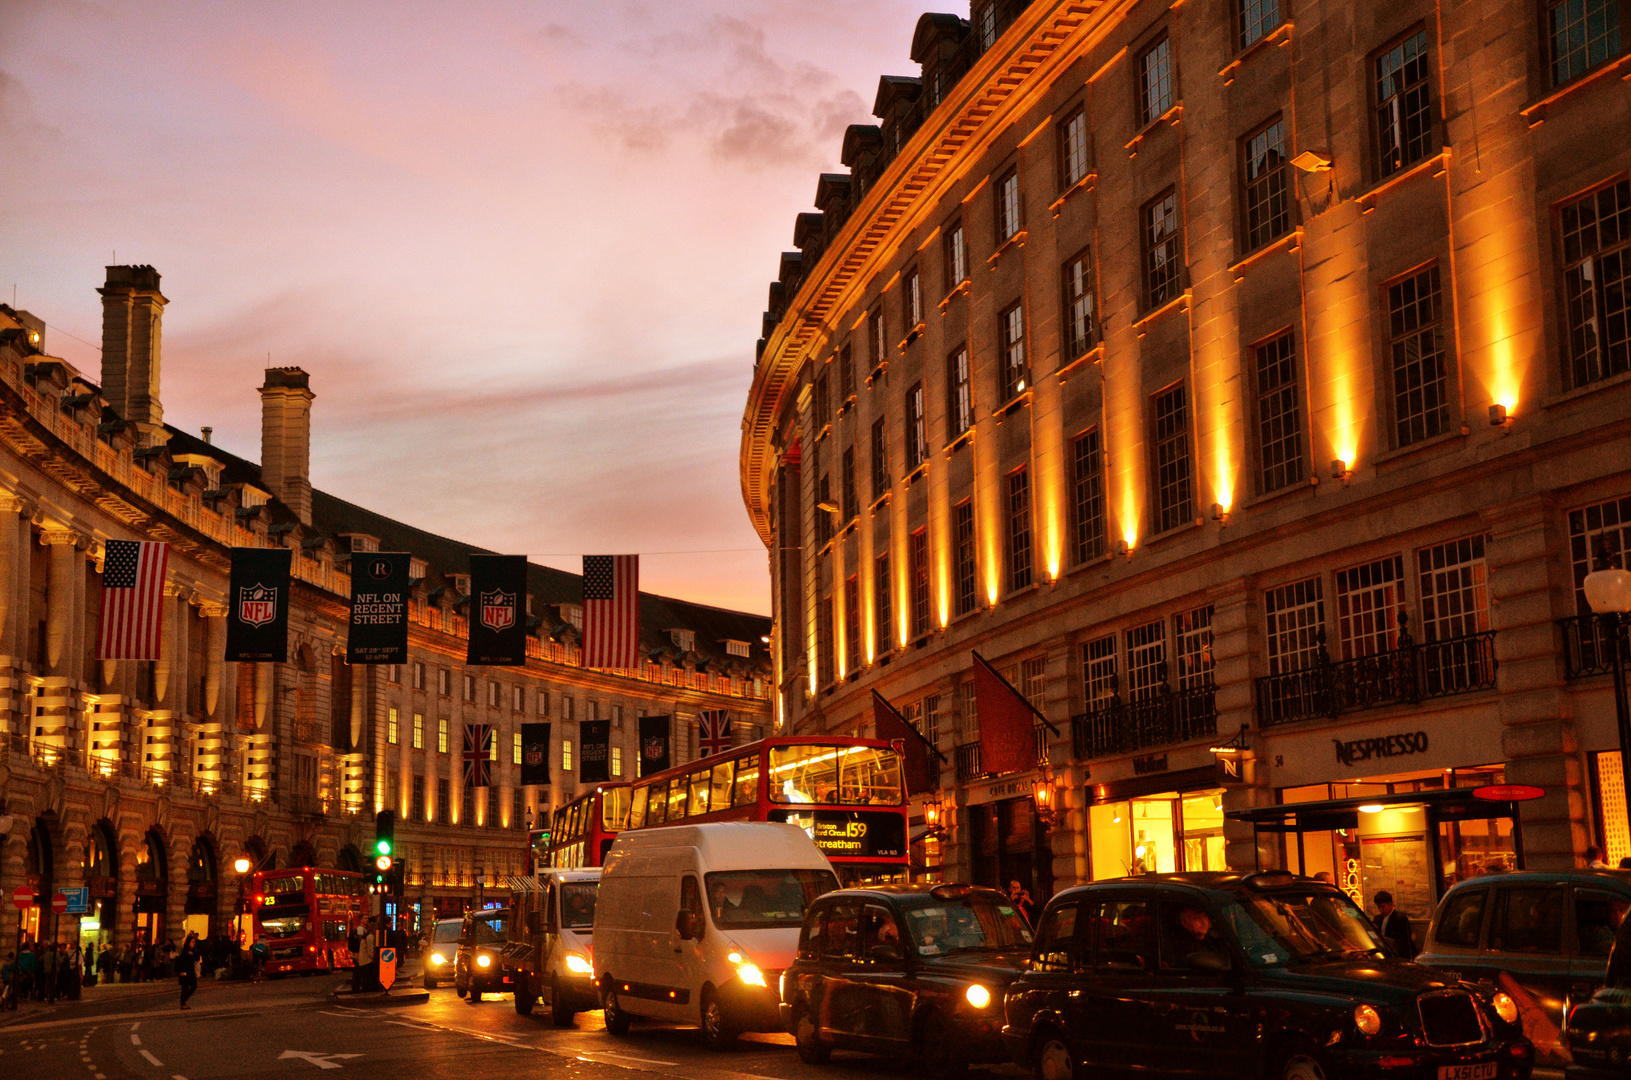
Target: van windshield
(755, 899)
(578, 904)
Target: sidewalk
(29, 1011)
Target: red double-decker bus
(582, 831)
(305, 916)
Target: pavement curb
(373, 1000)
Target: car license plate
(1482, 1070)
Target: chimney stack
(132, 308)
(286, 438)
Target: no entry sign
(22, 897)
(59, 903)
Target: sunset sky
(521, 248)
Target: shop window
(1609, 787)
(1462, 920)
(1370, 598)
(1596, 231)
(1055, 948)
(1295, 614)
(1529, 919)
(1099, 668)
(1146, 659)
(1192, 642)
(1126, 935)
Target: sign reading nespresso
(1357, 751)
(859, 834)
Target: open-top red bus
(305, 916)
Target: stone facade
(1296, 384)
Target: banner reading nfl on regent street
(498, 610)
(258, 605)
(379, 608)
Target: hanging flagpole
(983, 662)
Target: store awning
(1446, 804)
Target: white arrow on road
(322, 1061)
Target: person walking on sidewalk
(46, 978)
(187, 968)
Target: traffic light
(385, 836)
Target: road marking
(623, 1057)
(322, 1061)
(136, 1025)
(178, 1078)
(135, 1039)
(151, 1060)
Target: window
(418, 731)
(824, 505)
(1162, 257)
(543, 702)
(1257, 18)
(985, 24)
(1463, 918)
(1087, 486)
(846, 374)
(918, 563)
(912, 301)
(1268, 209)
(880, 459)
(1011, 332)
(1192, 646)
(852, 499)
(1416, 335)
(494, 695)
(1596, 232)
(1597, 917)
(970, 719)
(1099, 668)
(1146, 659)
(393, 673)
(883, 589)
(917, 435)
(931, 719)
(442, 801)
(822, 401)
(1007, 196)
(960, 399)
(1080, 323)
(1055, 948)
(617, 710)
(1295, 614)
(1528, 919)
(956, 256)
(1606, 525)
(1279, 414)
(1369, 600)
(1073, 149)
(1174, 501)
(1404, 105)
(852, 625)
(568, 707)
(469, 685)
(416, 811)
(566, 755)
(1155, 80)
(444, 682)
(1033, 681)
(441, 736)
(826, 644)
(392, 736)
(1019, 530)
(1584, 34)
(617, 762)
(515, 748)
(962, 516)
(880, 349)
(1454, 589)
(492, 746)
(418, 675)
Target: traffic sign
(79, 900)
(59, 903)
(387, 967)
(22, 897)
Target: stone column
(165, 665)
(215, 640)
(263, 694)
(1234, 643)
(13, 575)
(60, 597)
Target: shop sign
(1154, 763)
(1508, 793)
(1230, 770)
(1010, 787)
(1358, 751)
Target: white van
(547, 956)
(695, 923)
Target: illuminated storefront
(1156, 825)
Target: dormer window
(250, 497)
(737, 648)
(363, 542)
(461, 582)
(417, 569)
(573, 614)
(684, 640)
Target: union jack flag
(713, 732)
(478, 747)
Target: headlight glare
(750, 974)
(484, 961)
(437, 958)
(1505, 1007)
(1367, 1020)
(978, 996)
(577, 965)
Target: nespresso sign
(1358, 751)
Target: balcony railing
(1167, 716)
(1407, 674)
(1586, 646)
(967, 758)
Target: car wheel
(717, 1033)
(473, 995)
(524, 997)
(937, 1050)
(812, 1050)
(1053, 1058)
(617, 1021)
(1301, 1065)
(560, 1011)
(431, 984)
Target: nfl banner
(478, 749)
(258, 605)
(595, 751)
(498, 610)
(534, 754)
(379, 608)
(654, 734)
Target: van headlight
(750, 974)
(1505, 1007)
(437, 958)
(1367, 1020)
(577, 965)
(978, 996)
(484, 960)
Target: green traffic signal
(384, 846)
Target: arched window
(151, 863)
(101, 858)
(201, 863)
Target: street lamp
(1044, 795)
(1608, 591)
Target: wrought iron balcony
(1404, 675)
(1586, 646)
(967, 758)
(1165, 717)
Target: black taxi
(905, 969)
(478, 967)
(1244, 975)
(1598, 1031)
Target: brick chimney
(132, 308)
(286, 438)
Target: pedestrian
(1020, 897)
(8, 982)
(46, 976)
(1394, 926)
(1594, 858)
(127, 963)
(187, 968)
(144, 962)
(1325, 876)
(367, 956)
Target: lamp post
(1608, 591)
(240, 866)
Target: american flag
(478, 739)
(713, 732)
(611, 611)
(132, 591)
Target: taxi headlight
(1367, 1020)
(484, 961)
(1505, 1008)
(750, 974)
(978, 996)
(437, 958)
(577, 965)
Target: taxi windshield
(446, 931)
(1280, 928)
(486, 929)
(967, 926)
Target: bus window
(869, 775)
(699, 792)
(676, 799)
(657, 806)
(747, 781)
(614, 809)
(813, 774)
(720, 795)
(637, 808)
